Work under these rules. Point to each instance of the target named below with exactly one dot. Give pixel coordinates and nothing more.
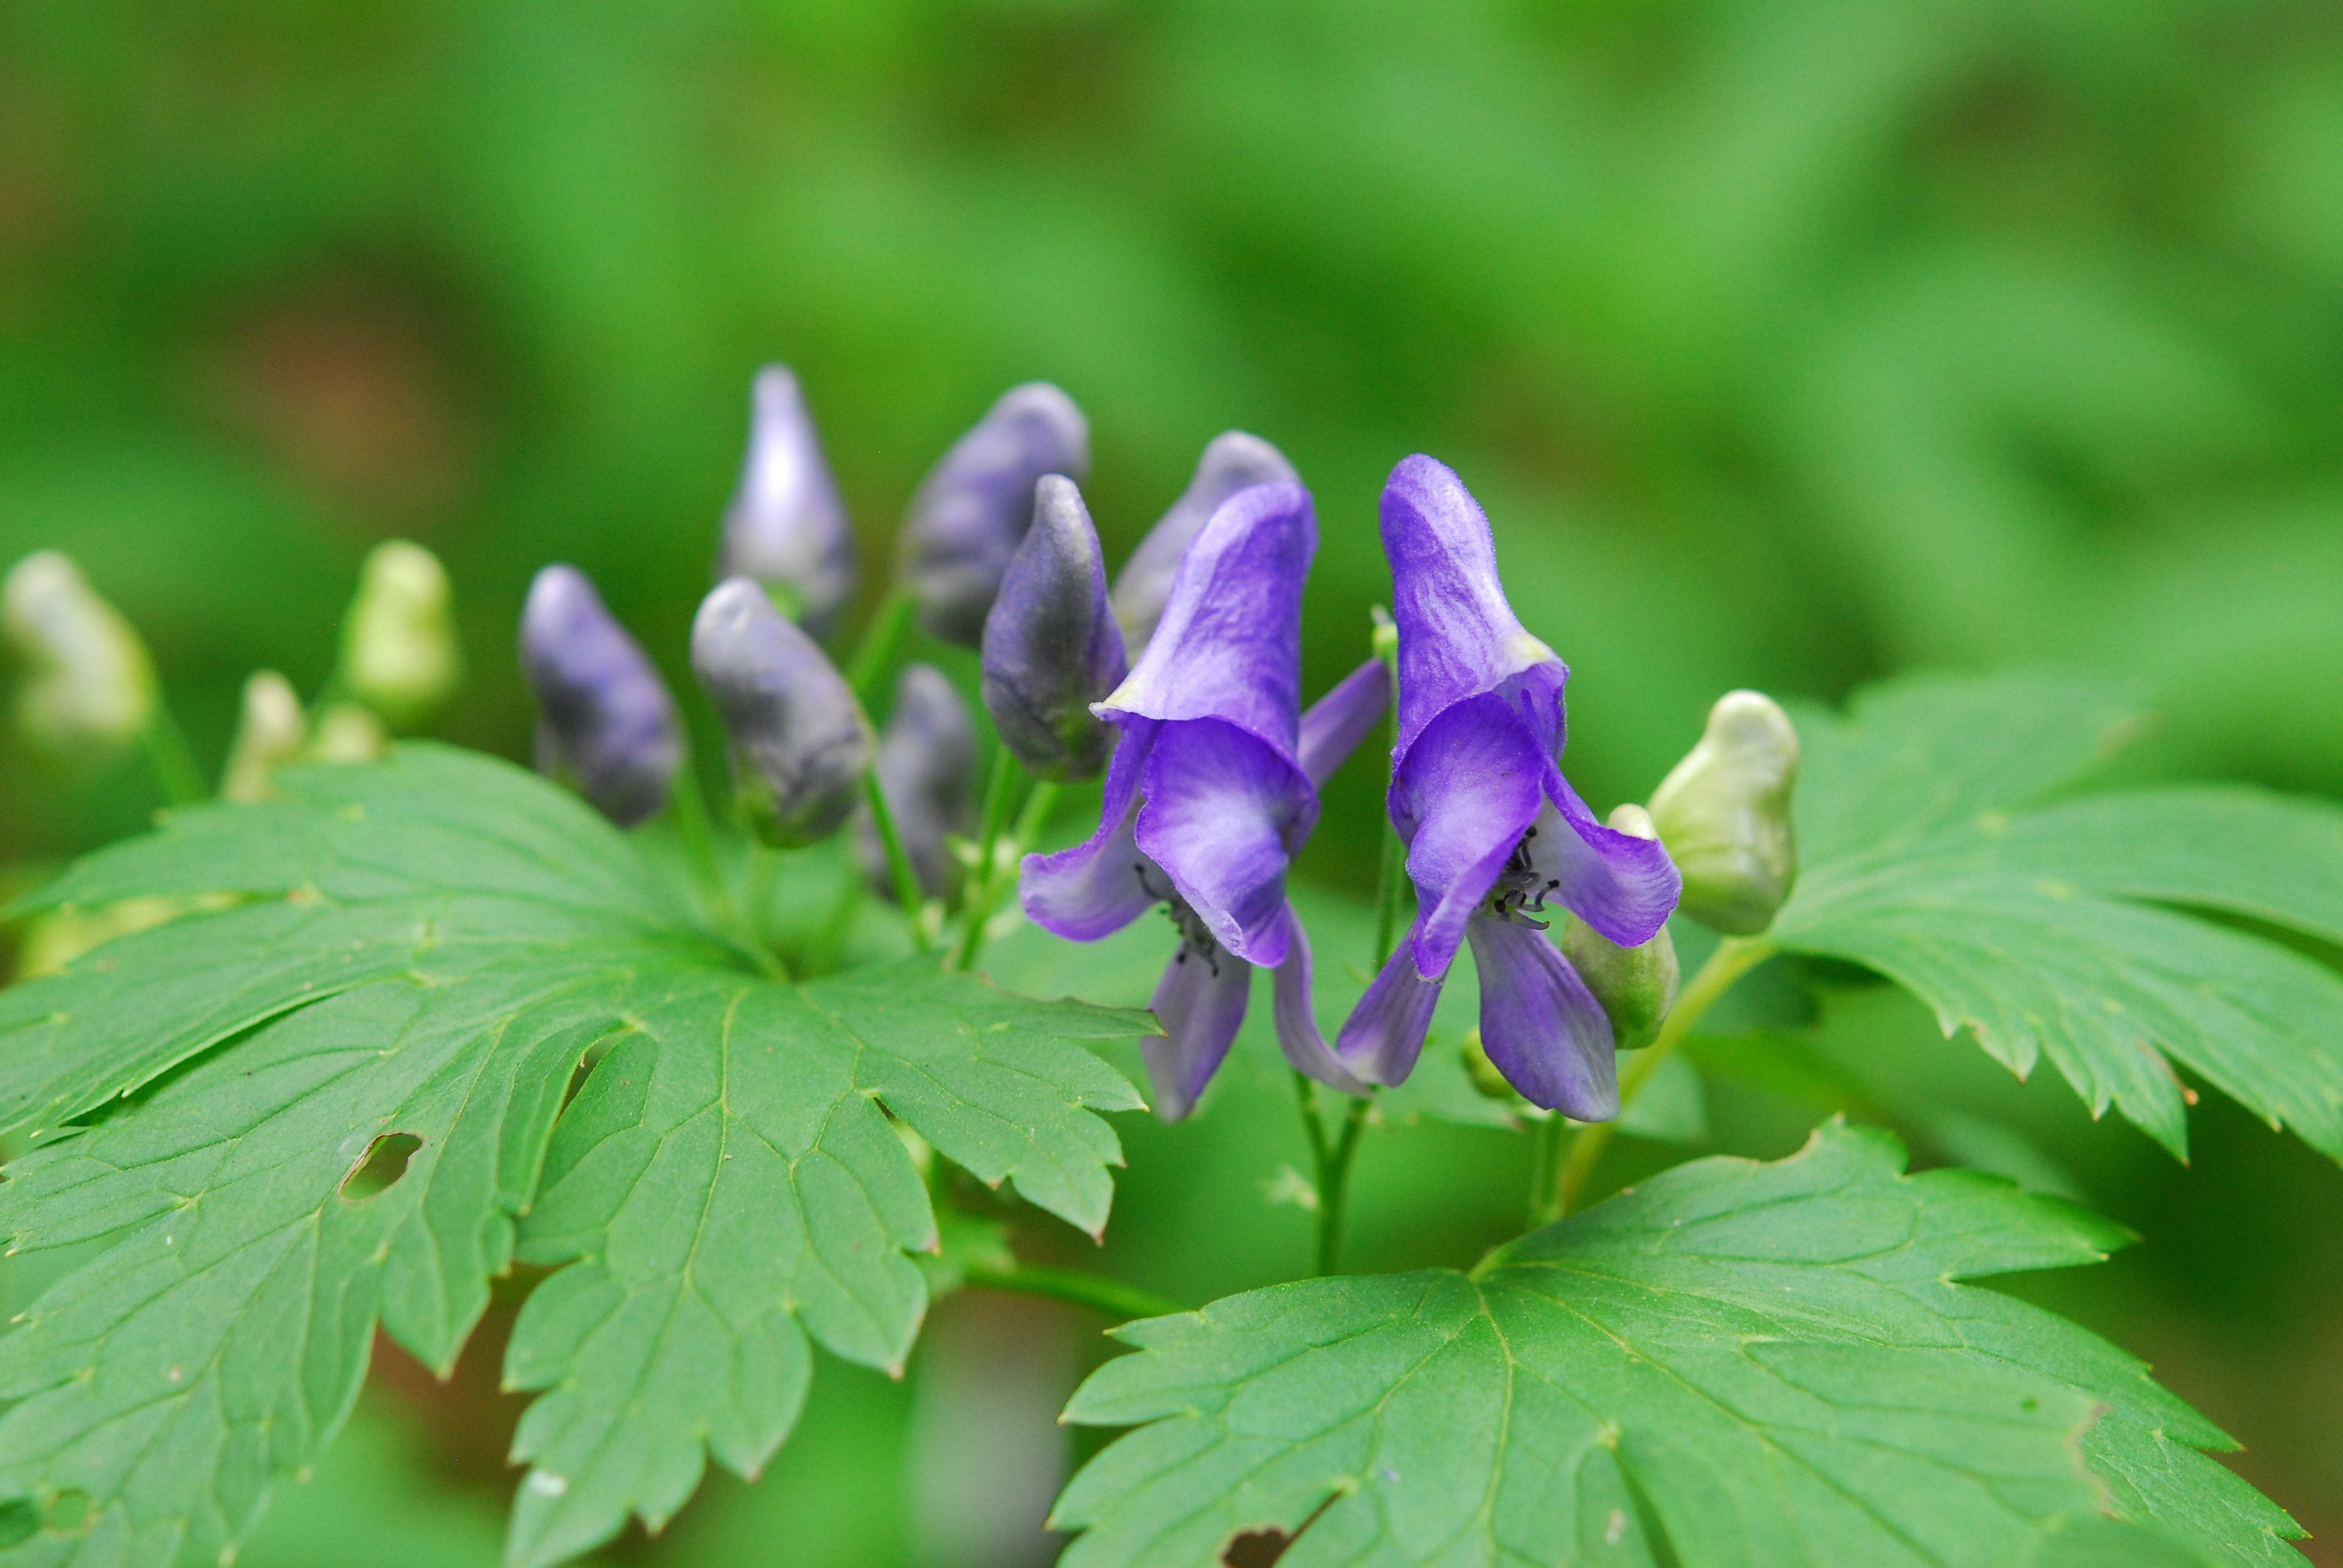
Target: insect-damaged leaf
(414, 959)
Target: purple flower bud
(797, 739)
(927, 768)
(1232, 461)
(787, 525)
(1052, 648)
(607, 723)
(977, 502)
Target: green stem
(899, 863)
(764, 880)
(689, 809)
(1334, 1186)
(167, 753)
(1111, 1297)
(874, 655)
(1735, 956)
(977, 906)
(1029, 823)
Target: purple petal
(976, 503)
(1051, 648)
(1200, 1002)
(1384, 1033)
(1458, 637)
(1623, 886)
(1333, 726)
(1297, 1019)
(787, 523)
(1220, 808)
(607, 717)
(1096, 889)
(1234, 461)
(1230, 644)
(1541, 1026)
(1464, 797)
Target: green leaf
(1737, 1364)
(414, 960)
(2069, 929)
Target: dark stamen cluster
(1519, 888)
(1195, 937)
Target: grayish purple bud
(798, 741)
(1232, 461)
(607, 723)
(975, 504)
(927, 766)
(787, 525)
(1050, 645)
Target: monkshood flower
(607, 722)
(1232, 461)
(797, 739)
(1495, 833)
(1211, 788)
(927, 769)
(976, 503)
(1051, 648)
(787, 525)
(88, 686)
(400, 653)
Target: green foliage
(428, 951)
(1736, 1364)
(1937, 849)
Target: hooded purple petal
(1333, 727)
(787, 525)
(608, 722)
(1384, 1033)
(1297, 1019)
(1232, 461)
(1219, 811)
(1458, 637)
(1097, 888)
(1541, 1026)
(978, 500)
(1230, 644)
(1052, 648)
(798, 740)
(1201, 1003)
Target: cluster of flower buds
(88, 686)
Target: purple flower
(1495, 832)
(1051, 648)
(1232, 461)
(787, 527)
(608, 722)
(927, 769)
(977, 502)
(1211, 788)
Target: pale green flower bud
(1725, 815)
(399, 654)
(89, 686)
(1637, 985)
(347, 732)
(1486, 1080)
(269, 733)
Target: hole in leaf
(1261, 1548)
(1255, 1548)
(19, 1517)
(71, 1513)
(385, 1162)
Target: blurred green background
(1789, 343)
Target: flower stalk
(908, 896)
(1558, 1193)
